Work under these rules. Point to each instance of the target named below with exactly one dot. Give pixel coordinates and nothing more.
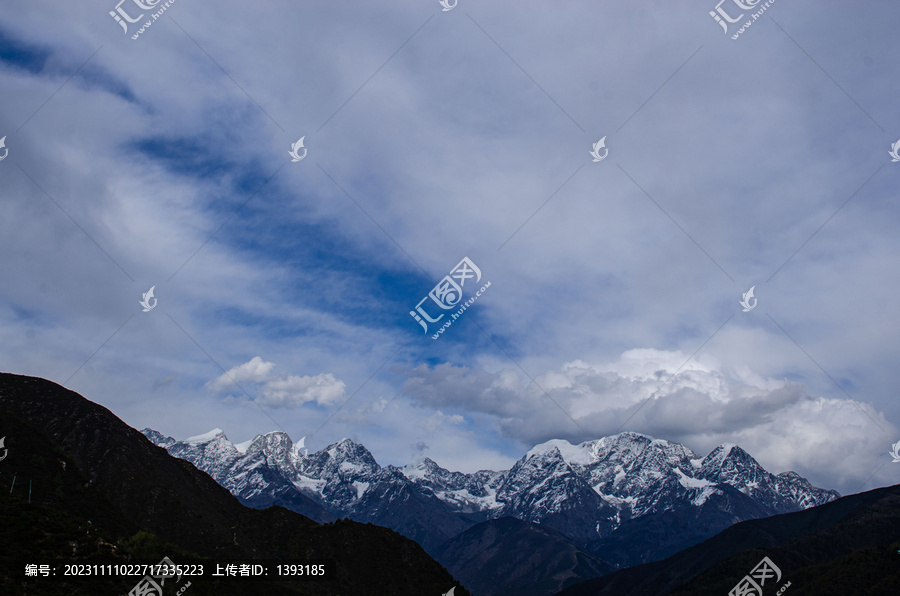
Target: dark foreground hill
(100, 492)
(509, 556)
(847, 546)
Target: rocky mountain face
(260, 473)
(343, 480)
(627, 498)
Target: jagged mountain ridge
(587, 491)
(342, 480)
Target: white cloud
(438, 419)
(255, 371)
(832, 440)
(288, 391)
(293, 391)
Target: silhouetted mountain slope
(56, 522)
(808, 546)
(129, 484)
(508, 556)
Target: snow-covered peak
(157, 438)
(534, 467)
(208, 451)
(420, 469)
(799, 488)
(571, 454)
(623, 445)
(206, 437)
(344, 457)
(275, 448)
(727, 458)
(720, 453)
(344, 444)
(274, 441)
(242, 447)
(347, 449)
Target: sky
(446, 164)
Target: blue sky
(284, 288)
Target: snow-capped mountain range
(595, 493)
